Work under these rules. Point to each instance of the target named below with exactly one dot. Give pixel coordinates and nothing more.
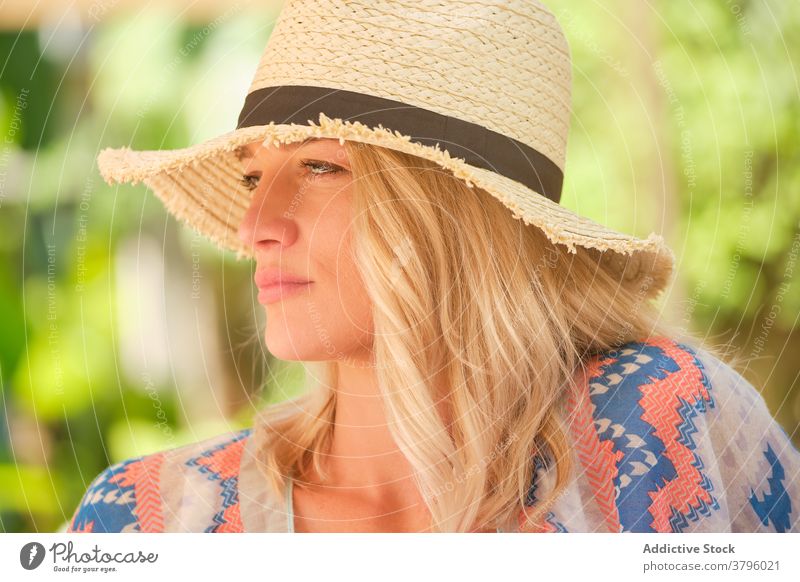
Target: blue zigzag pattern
(229, 487)
(540, 464)
(686, 429)
(619, 408)
(559, 527)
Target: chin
(283, 350)
(288, 347)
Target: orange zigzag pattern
(145, 476)
(660, 404)
(225, 463)
(599, 461)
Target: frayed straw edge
(114, 166)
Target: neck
(363, 452)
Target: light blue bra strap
(289, 507)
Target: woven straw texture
(503, 65)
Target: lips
(271, 276)
(275, 285)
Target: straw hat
(482, 88)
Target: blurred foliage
(685, 121)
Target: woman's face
(298, 225)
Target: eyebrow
(242, 152)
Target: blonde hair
(480, 326)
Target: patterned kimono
(666, 439)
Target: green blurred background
(123, 333)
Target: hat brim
(201, 186)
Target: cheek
(347, 292)
(352, 297)
(334, 320)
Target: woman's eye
(250, 181)
(318, 168)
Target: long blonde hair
(480, 325)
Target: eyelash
(250, 181)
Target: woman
(468, 371)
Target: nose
(265, 223)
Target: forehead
(247, 151)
